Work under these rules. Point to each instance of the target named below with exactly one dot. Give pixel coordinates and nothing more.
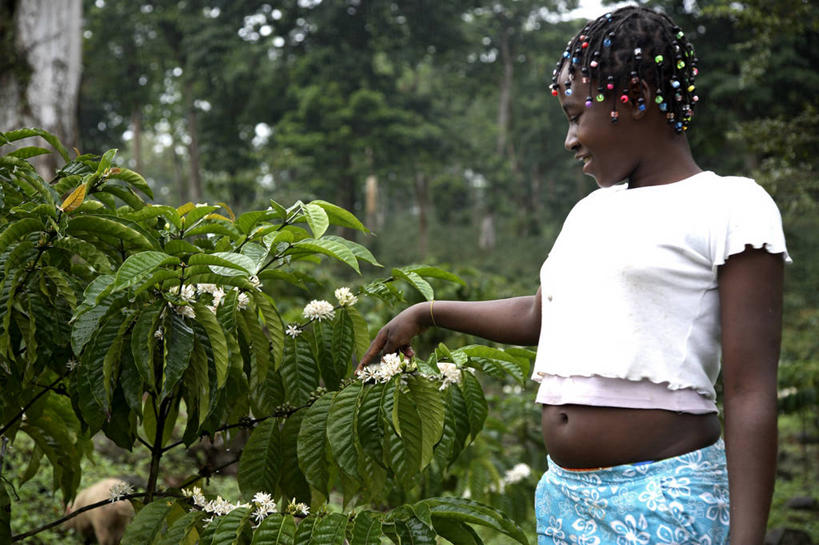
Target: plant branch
(19, 537)
(31, 402)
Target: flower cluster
(450, 372)
(119, 489)
(216, 507)
(345, 297)
(188, 294)
(391, 365)
(293, 330)
(319, 310)
(264, 506)
(298, 509)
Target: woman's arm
(512, 321)
(750, 287)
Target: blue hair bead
(663, 106)
(675, 84)
(566, 54)
(568, 91)
(606, 43)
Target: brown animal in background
(108, 522)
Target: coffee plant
(131, 319)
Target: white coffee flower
(299, 509)
(293, 330)
(118, 490)
(206, 288)
(256, 282)
(242, 301)
(219, 506)
(345, 297)
(71, 364)
(318, 310)
(195, 493)
(517, 474)
(188, 292)
(450, 372)
(159, 333)
(265, 505)
(185, 311)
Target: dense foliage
(126, 319)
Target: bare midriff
(583, 436)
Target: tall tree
(40, 55)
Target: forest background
(432, 122)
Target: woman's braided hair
(620, 50)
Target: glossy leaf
(331, 248)
(330, 530)
(230, 527)
(430, 406)
(259, 465)
(415, 281)
(148, 523)
(216, 337)
(276, 529)
(312, 444)
(474, 513)
(341, 429)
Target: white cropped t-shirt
(630, 309)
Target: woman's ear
(641, 97)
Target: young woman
(651, 284)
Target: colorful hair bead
(663, 106)
(658, 99)
(589, 102)
(695, 98)
(566, 54)
(584, 45)
(568, 92)
(614, 116)
(691, 88)
(658, 59)
(675, 84)
(600, 97)
(695, 71)
(680, 64)
(607, 42)
(641, 104)
(594, 64)
(554, 92)
(624, 98)
(680, 35)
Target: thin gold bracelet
(431, 315)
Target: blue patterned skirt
(676, 501)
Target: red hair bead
(624, 98)
(584, 45)
(554, 92)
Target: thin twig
(31, 402)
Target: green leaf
(230, 527)
(366, 529)
(341, 428)
(428, 271)
(292, 484)
(143, 341)
(518, 368)
(407, 422)
(178, 247)
(105, 225)
(218, 342)
(18, 134)
(274, 326)
(87, 251)
(196, 213)
(259, 465)
(224, 263)
(361, 252)
(133, 179)
(276, 529)
(147, 523)
(331, 248)
(330, 529)
(313, 444)
(213, 228)
(105, 161)
(316, 218)
(245, 222)
(360, 330)
(125, 194)
(430, 407)
(475, 403)
(17, 230)
(368, 424)
(342, 343)
(299, 371)
(181, 531)
(471, 512)
(28, 152)
(340, 216)
(456, 532)
(249, 325)
(416, 282)
(178, 348)
(139, 266)
(304, 531)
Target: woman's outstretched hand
(396, 335)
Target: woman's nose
(571, 140)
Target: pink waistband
(618, 392)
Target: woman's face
(610, 152)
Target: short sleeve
(752, 219)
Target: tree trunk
(195, 184)
(40, 69)
(505, 101)
(422, 200)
